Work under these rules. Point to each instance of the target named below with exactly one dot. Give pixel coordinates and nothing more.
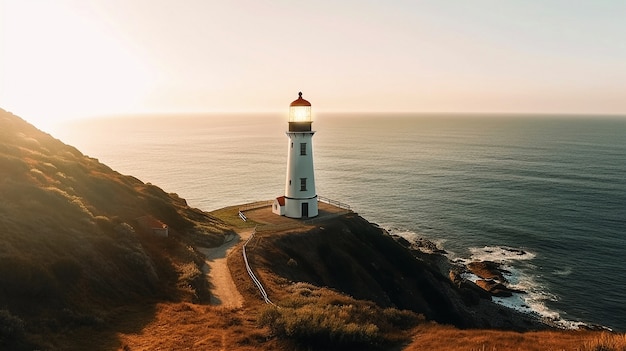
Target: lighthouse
(300, 199)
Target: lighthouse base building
(295, 208)
(300, 199)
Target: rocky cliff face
(360, 259)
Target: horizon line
(347, 112)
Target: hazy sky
(78, 58)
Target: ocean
(481, 187)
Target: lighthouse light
(300, 114)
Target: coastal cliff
(357, 258)
(86, 263)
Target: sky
(66, 59)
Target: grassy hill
(71, 247)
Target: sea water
(544, 195)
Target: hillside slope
(357, 258)
(71, 247)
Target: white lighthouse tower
(300, 200)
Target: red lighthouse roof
(300, 101)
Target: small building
(163, 231)
(278, 207)
(154, 226)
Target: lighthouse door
(305, 209)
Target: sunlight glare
(70, 66)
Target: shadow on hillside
(127, 320)
(77, 268)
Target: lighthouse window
(302, 184)
(302, 149)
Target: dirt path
(223, 291)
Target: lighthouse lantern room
(300, 199)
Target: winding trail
(223, 289)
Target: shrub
(607, 342)
(73, 318)
(188, 273)
(11, 327)
(401, 319)
(326, 326)
(26, 278)
(318, 317)
(104, 223)
(67, 270)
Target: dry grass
(606, 342)
(170, 326)
(323, 319)
(230, 216)
(195, 327)
(437, 337)
(186, 326)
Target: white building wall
(293, 207)
(299, 167)
(277, 208)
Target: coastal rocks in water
(491, 282)
(518, 252)
(421, 244)
(428, 246)
(471, 292)
(488, 270)
(496, 289)
(492, 278)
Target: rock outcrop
(493, 278)
(487, 270)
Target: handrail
(333, 202)
(243, 216)
(255, 280)
(259, 204)
(255, 205)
